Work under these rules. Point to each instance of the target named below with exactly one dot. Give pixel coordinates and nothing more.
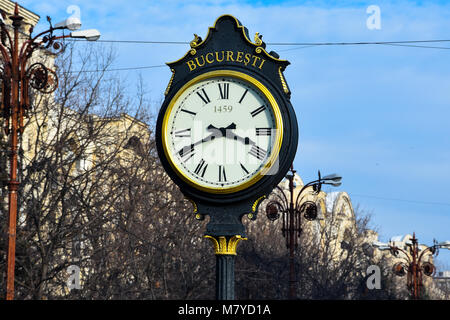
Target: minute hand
(187, 149)
(246, 140)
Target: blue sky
(378, 115)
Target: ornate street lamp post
(292, 212)
(17, 75)
(412, 264)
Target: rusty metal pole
(291, 213)
(13, 183)
(415, 267)
(292, 280)
(412, 265)
(15, 101)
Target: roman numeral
(183, 133)
(222, 176)
(263, 131)
(187, 111)
(257, 152)
(224, 89)
(204, 97)
(242, 98)
(187, 152)
(201, 165)
(243, 168)
(257, 111)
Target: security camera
(89, 35)
(70, 23)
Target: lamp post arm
(52, 38)
(25, 48)
(395, 248)
(3, 48)
(32, 41)
(432, 249)
(50, 31)
(26, 52)
(284, 198)
(309, 184)
(5, 55)
(8, 35)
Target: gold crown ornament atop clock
(227, 133)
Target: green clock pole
(225, 250)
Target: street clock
(226, 133)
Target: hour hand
(211, 127)
(231, 126)
(223, 130)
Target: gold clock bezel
(276, 147)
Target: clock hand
(221, 129)
(212, 136)
(219, 132)
(211, 128)
(187, 148)
(231, 126)
(229, 134)
(245, 140)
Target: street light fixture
(381, 246)
(17, 75)
(292, 212)
(412, 264)
(444, 245)
(333, 177)
(89, 35)
(70, 23)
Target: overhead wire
(354, 43)
(401, 200)
(404, 43)
(116, 69)
(281, 43)
(296, 45)
(415, 46)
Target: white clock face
(221, 132)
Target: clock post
(225, 250)
(227, 134)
